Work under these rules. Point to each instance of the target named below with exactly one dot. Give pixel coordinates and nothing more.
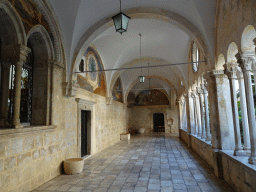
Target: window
(195, 57)
(81, 66)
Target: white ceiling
(160, 40)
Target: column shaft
(238, 145)
(243, 105)
(17, 94)
(202, 114)
(199, 116)
(208, 133)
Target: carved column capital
(239, 73)
(204, 88)
(21, 54)
(246, 60)
(231, 70)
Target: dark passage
(85, 127)
(158, 119)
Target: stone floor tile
(193, 189)
(205, 187)
(76, 189)
(52, 188)
(179, 186)
(65, 187)
(140, 189)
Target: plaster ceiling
(160, 39)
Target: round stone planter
(73, 166)
(141, 130)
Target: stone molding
(55, 64)
(70, 89)
(87, 105)
(10, 133)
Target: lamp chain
(140, 52)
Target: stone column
(195, 131)
(20, 59)
(220, 107)
(207, 121)
(199, 113)
(201, 98)
(245, 62)
(190, 114)
(4, 94)
(180, 114)
(243, 104)
(231, 70)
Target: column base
(203, 137)
(252, 160)
(16, 124)
(209, 138)
(240, 152)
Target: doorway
(158, 119)
(85, 132)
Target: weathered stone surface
(10, 163)
(28, 143)
(36, 154)
(1, 165)
(3, 145)
(43, 152)
(16, 146)
(24, 158)
(38, 141)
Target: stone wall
(31, 156)
(142, 116)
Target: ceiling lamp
(121, 21)
(141, 77)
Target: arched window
(195, 57)
(26, 89)
(81, 66)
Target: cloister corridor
(152, 162)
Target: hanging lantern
(121, 21)
(142, 79)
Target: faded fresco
(118, 91)
(30, 15)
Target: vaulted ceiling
(163, 42)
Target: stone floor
(145, 163)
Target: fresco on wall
(30, 15)
(96, 84)
(152, 97)
(117, 92)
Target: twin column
(19, 59)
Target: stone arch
(163, 91)
(46, 39)
(232, 51)
(127, 91)
(220, 62)
(46, 9)
(42, 50)
(138, 13)
(148, 59)
(248, 35)
(12, 25)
